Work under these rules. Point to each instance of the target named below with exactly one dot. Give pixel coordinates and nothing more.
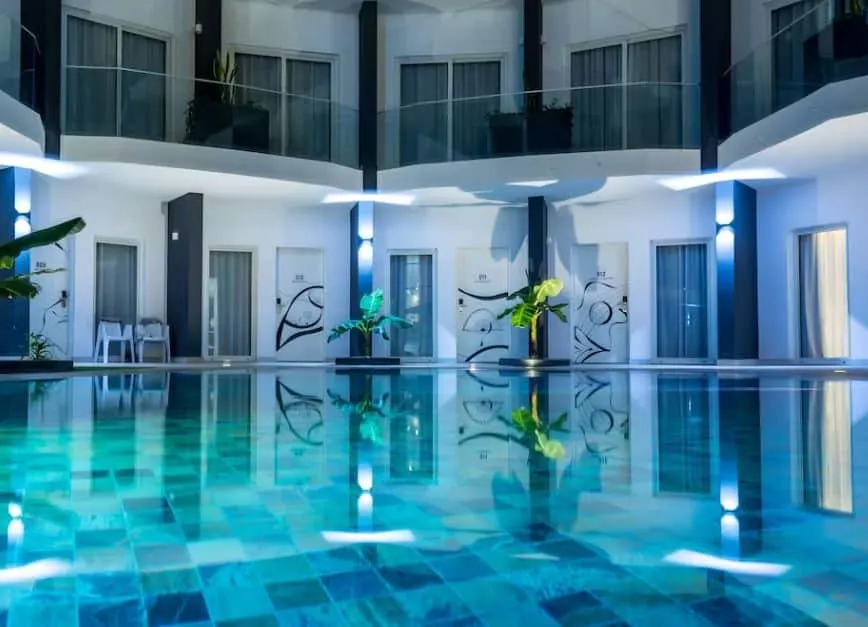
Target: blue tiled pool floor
(215, 512)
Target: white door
(300, 334)
(482, 288)
(600, 318)
(300, 442)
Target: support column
(736, 247)
(43, 19)
(532, 48)
(184, 259)
(209, 41)
(715, 35)
(362, 215)
(10, 343)
(537, 257)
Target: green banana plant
(226, 73)
(22, 285)
(533, 303)
(370, 411)
(537, 432)
(372, 322)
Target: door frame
(254, 293)
(404, 252)
(572, 275)
(508, 289)
(321, 252)
(140, 278)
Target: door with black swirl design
(300, 305)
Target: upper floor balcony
(19, 60)
(592, 118)
(813, 44)
(136, 103)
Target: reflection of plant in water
(537, 432)
(370, 411)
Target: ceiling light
(682, 183)
(533, 183)
(49, 167)
(388, 199)
(22, 227)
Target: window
(116, 289)
(630, 95)
(297, 93)
(443, 109)
(682, 301)
(230, 304)
(411, 296)
(824, 319)
(791, 26)
(683, 436)
(115, 81)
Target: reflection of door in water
(300, 446)
(599, 304)
(483, 284)
(299, 334)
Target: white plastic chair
(152, 332)
(112, 331)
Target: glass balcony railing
(19, 53)
(118, 102)
(599, 118)
(818, 46)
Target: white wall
(262, 226)
(445, 230)
(640, 222)
(572, 24)
(280, 29)
(112, 215)
(836, 198)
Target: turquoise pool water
(433, 498)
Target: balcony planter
(34, 366)
(506, 132)
(550, 129)
(226, 125)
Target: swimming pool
(305, 497)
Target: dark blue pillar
(715, 38)
(41, 69)
(14, 313)
(735, 243)
(184, 252)
(537, 257)
(362, 215)
(532, 53)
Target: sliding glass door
(475, 94)
(684, 436)
(424, 113)
(682, 301)
(230, 304)
(116, 288)
(411, 296)
(824, 319)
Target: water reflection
(735, 471)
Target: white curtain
(826, 446)
(654, 94)
(91, 79)
(597, 98)
(682, 301)
(791, 26)
(411, 296)
(469, 110)
(309, 109)
(823, 303)
(143, 87)
(424, 113)
(116, 283)
(259, 84)
(232, 273)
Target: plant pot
(838, 52)
(506, 134)
(34, 366)
(550, 130)
(224, 125)
(368, 361)
(530, 363)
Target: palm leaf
(558, 311)
(523, 315)
(42, 237)
(371, 304)
(343, 327)
(547, 289)
(18, 287)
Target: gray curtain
(683, 436)
(232, 430)
(654, 94)
(412, 297)
(823, 303)
(91, 79)
(469, 111)
(143, 87)
(791, 26)
(309, 109)
(596, 77)
(232, 272)
(116, 283)
(424, 114)
(259, 84)
(682, 301)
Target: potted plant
(215, 117)
(550, 128)
(372, 323)
(840, 49)
(506, 132)
(39, 357)
(533, 304)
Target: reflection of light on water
(701, 560)
(43, 569)
(537, 556)
(371, 537)
(15, 510)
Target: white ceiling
(394, 6)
